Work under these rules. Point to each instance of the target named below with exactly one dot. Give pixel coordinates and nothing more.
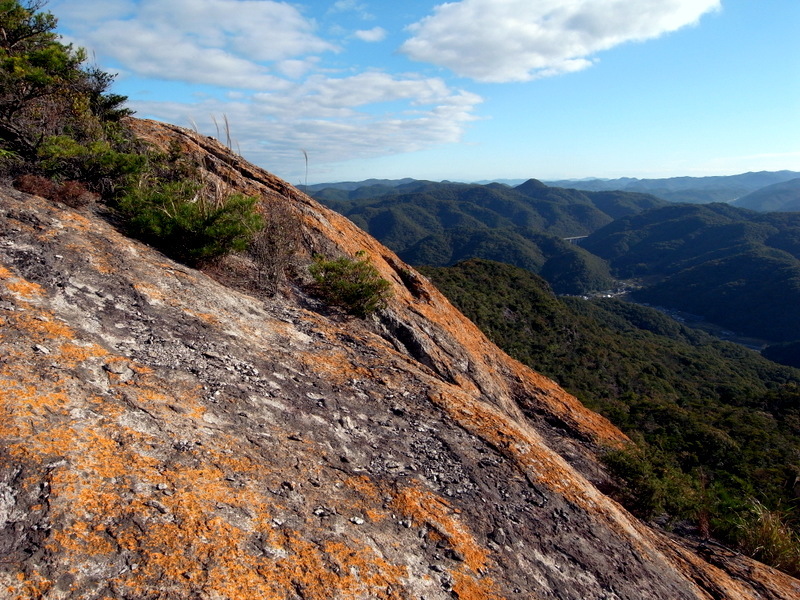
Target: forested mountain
(443, 223)
(716, 423)
(558, 211)
(696, 190)
(784, 196)
(735, 267)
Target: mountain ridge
(439, 224)
(703, 189)
(695, 190)
(778, 197)
(726, 263)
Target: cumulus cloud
(233, 43)
(376, 34)
(358, 117)
(520, 40)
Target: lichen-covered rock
(164, 436)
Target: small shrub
(97, 163)
(274, 247)
(650, 485)
(35, 185)
(179, 220)
(71, 193)
(74, 194)
(641, 490)
(354, 285)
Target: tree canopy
(46, 90)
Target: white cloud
(333, 119)
(376, 34)
(295, 69)
(347, 5)
(231, 43)
(520, 40)
(360, 8)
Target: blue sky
(468, 90)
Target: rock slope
(166, 436)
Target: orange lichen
(426, 508)
(364, 569)
(41, 325)
(140, 369)
(80, 538)
(77, 222)
(364, 486)
(333, 569)
(71, 354)
(25, 409)
(207, 318)
(375, 516)
(336, 367)
(28, 587)
(19, 286)
(153, 294)
(148, 393)
(466, 587)
(203, 552)
(368, 500)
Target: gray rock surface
(164, 435)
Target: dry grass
(767, 536)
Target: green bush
(354, 285)
(96, 163)
(45, 90)
(641, 490)
(180, 220)
(650, 485)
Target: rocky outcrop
(163, 435)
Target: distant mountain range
(778, 197)
(735, 267)
(354, 185)
(695, 190)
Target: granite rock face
(167, 433)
